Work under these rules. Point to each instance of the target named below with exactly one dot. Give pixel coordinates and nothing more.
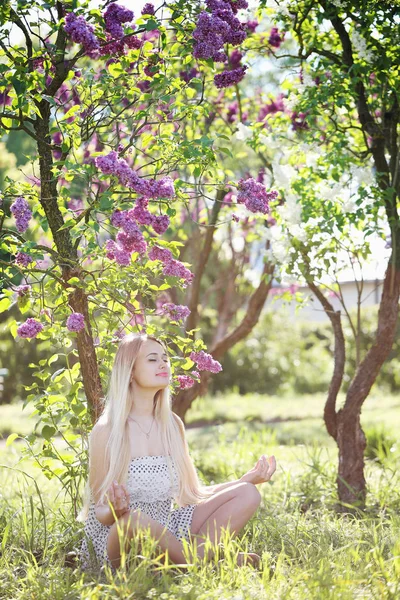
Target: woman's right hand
(118, 496)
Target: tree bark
(68, 263)
(350, 437)
(184, 399)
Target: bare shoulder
(100, 433)
(179, 421)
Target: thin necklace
(147, 434)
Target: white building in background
(313, 310)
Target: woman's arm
(103, 514)
(221, 486)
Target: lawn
(308, 550)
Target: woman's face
(152, 368)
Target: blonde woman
(139, 461)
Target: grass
(308, 550)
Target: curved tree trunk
(68, 259)
(350, 437)
(184, 399)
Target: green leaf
(5, 304)
(11, 438)
(48, 432)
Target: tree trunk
(184, 398)
(68, 259)
(351, 442)
(350, 437)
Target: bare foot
(248, 558)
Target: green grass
(308, 550)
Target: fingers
(267, 466)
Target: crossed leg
(232, 507)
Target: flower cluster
(177, 312)
(22, 290)
(205, 362)
(22, 213)
(82, 32)
(273, 107)
(185, 381)
(276, 38)
(227, 78)
(110, 164)
(22, 259)
(254, 195)
(129, 240)
(148, 9)
(360, 45)
(114, 16)
(159, 223)
(76, 321)
(215, 28)
(29, 329)
(171, 266)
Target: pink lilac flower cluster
(114, 16)
(110, 164)
(177, 312)
(29, 329)
(276, 38)
(129, 240)
(159, 223)
(76, 321)
(254, 195)
(22, 290)
(205, 362)
(148, 9)
(82, 32)
(217, 27)
(22, 213)
(22, 259)
(185, 381)
(171, 266)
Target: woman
(139, 461)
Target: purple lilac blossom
(177, 312)
(76, 321)
(148, 9)
(254, 195)
(176, 269)
(215, 29)
(22, 259)
(110, 164)
(227, 78)
(82, 32)
(22, 213)
(205, 362)
(251, 26)
(162, 254)
(274, 106)
(114, 16)
(299, 121)
(276, 38)
(29, 329)
(22, 290)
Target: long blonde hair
(117, 407)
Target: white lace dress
(150, 489)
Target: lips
(162, 374)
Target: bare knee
(250, 494)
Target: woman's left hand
(262, 472)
